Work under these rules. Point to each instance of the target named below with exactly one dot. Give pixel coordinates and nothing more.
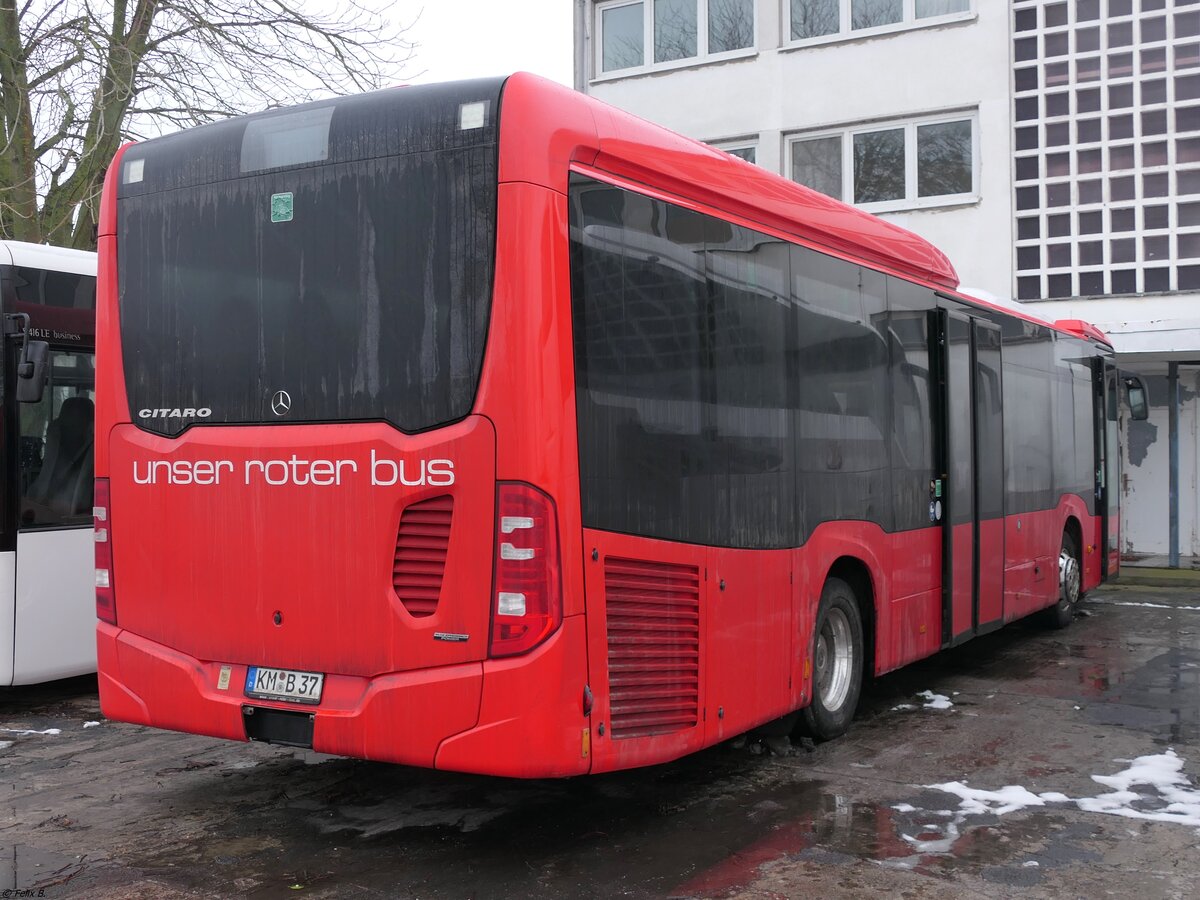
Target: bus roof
(615, 141)
(52, 259)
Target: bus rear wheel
(1070, 585)
(837, 664)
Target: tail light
(527, 592)
(106, 604)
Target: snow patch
(935, 701)
(997, 803)
(1148, 605)
(1033, 863)
(1170, 796)
(4, 745)
(90, 724)
(1152, 787)
(19, 733)
(1163, 773)
(903, 706)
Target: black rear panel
(341, 252)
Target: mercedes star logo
(281, 403)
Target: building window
(902, 164)
(745, 149)
(649, 33)
(815, 19)
(621, 28)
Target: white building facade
(1050, 147)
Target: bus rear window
(341, 254)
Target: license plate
(284, 684)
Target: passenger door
(967, 491)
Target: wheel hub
(1069, 579)
(834, 660)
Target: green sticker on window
(281, 207)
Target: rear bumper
(521, 717)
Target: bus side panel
(1032, 544)
(1071, 505)
(647, 607)
(1027, 582)
(749, 641)
(904, 608)
(909, 626)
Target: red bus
(482, 426)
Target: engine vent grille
(421, 546)
(653, 646)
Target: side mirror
(1139, 404)
(31, 371)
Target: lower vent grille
(421, 546)
(653, 646)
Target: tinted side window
(61, 306)
(1028, 361)
(62, 289)
(754, 367)
(640, 300)
(843, 390)
(1074, 448)
(732, 388)
(912, 435)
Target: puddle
(24, 868)
(1160, 697)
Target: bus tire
(1070, 584)
(837, 664)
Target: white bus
(47, 588)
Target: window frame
(908, 22)
(910, 126)
(702, 57)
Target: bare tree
(80, 77)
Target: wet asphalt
(118, 811)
